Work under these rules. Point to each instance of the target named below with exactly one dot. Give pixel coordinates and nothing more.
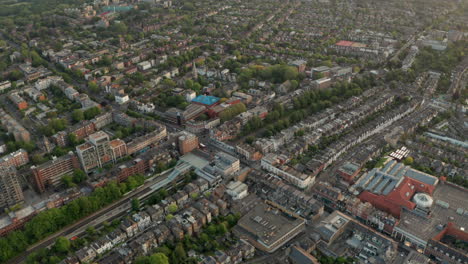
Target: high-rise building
(98, 150)
(187, 142)
(51, 172)
(10, 189)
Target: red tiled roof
(344, 43)
(398, 198)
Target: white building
(190, 95)
(237, 190)
(272, 163)
(122, 99)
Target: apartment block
(10, 189)
(51, 172)
(99, 150)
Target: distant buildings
(14, 127)
(10, 189)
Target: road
(107, 213)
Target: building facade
(10, 189)
(51, 172)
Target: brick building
(15, 159)
(187, 142)
(51, 172)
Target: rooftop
(269, 226)
(449, 206)
(206, 99)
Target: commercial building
(10, 189)
(187, 142)
(51, 172)
(437, 224)
(16, 220)
(226, 164)
(339, 235)
(180, 117)
(394, 186)
(15, 159)
(206, 100)
(268, 228)
(237, 190)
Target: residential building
(10, 189)
(15, 159)
(275, 164)
(145, 141)
(14, 127)
(18, 101)
(51, 172)
(98, 150)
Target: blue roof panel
(206, 99)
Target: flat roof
(448, 199)
(194, 160)
(268, 225)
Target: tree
(159, 258)
(408, 161)
(90, 113)
(77, 115)
(179, 255)
(119, 28)
(90, 230)
(68, 181)
(172, 208)
(93, 87)
(135, 204)
(62, 245)
(79, 176)
(72, 139)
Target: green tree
(172, 208)
(68, 181)
(77, 115)
(62, 245)
(159, 258)
(92, 112)
(79, 176)
(408, 161)
(93, 87)
(135, 204)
